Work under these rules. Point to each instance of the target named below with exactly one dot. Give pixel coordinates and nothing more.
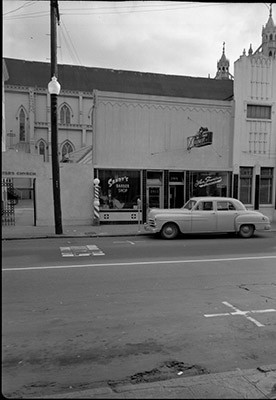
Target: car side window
(225, 206)
(205, 206)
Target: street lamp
(54, 89)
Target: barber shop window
(266, 180)
(119, 189)
(246, 178)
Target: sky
(167, 37)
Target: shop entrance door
(176, 196)
(154, 196)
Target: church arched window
(65, 117)
(42, 149)
(66, 149)
(22, 126)
(271, 37)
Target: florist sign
(209, 180)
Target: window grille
(258, 112)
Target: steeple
(223, 66)
(268, 46)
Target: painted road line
(242, 313)
(81, 251)
(124, 241)
(92, 247)
(119, 264)
(66, 252)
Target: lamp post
(54, 89)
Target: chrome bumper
(149, 228)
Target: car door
(226, 214)
(204, 217)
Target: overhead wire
(27, 4)
(68, 41)
(116, 9)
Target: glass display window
(119, 189)
(207, 183)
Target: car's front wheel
(246, 231)
(169, 231)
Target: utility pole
(54, 89)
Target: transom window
(258, 112)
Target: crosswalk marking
(81, 251)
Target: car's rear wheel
(246, 231)
(169, 231)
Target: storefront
(119, 194)
(121, 190)
(208, 183)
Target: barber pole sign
(96, 201)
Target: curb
(259, 383)
(71, 236)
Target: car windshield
(189, 205)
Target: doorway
(176, 196)
(154, 196)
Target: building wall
(76, 187)
(140, 151)
(255, 138)
(140, 131)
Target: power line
(112, 10)
(69, 43)
(29, 3)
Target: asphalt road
(77, 313)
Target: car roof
(210, 198)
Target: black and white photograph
(138, 200)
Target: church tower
(223, 66)
(268, 46)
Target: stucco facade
(148, 135)
(133, 131)
(255, 127)
(76, 183)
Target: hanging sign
(203, 138)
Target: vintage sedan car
(206, 215)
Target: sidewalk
(259, 383)
(32, 232)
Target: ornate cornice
(19, 88)
(64, 126)
(211, 108)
